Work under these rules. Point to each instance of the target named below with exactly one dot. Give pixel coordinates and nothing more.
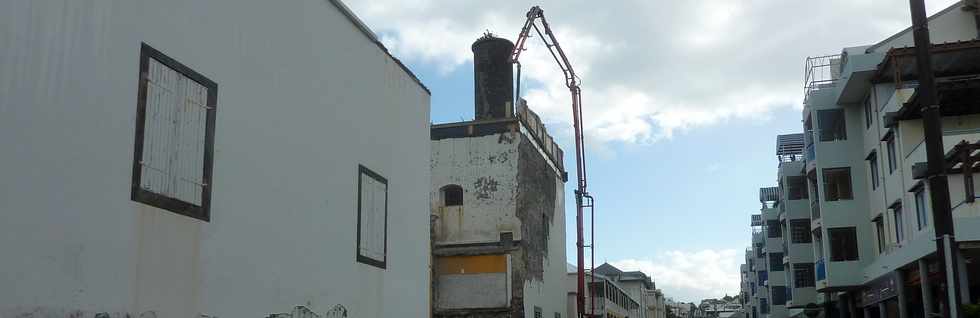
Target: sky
(682, 102)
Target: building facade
(639, 286)
(497, 204)
(869, 213)
(208, 159)
(606, 298)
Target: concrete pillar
(882, 310)
(902, 307)
(964, 279)
(924, 284)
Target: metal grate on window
(803, 275)
(800, 231)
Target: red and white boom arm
(582, 198)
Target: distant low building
(606, 298)
(640, 286)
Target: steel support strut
(946, 247)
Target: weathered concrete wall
(486, 168)
(525, 197)
(541, 199)
(303, 98)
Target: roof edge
(876, 46)
(374, 38)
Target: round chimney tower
(493, 77)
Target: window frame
(899, 222)
(137, 193)
(382, 264)
(892, 153)
(822, 135)
(778, 265)
(795, 225)
(773, 229)
(873, 168)
(868, 112)
(807, 272)
(838, 193)
(921, 207)
(778, 295)
(798, 188)
(880, 233)
(839, 253)
(445, 191)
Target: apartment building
(208, 159)
(497, 204)
(873, 237)
(870, 218)
(773, 252)
(794, 224)
(755, 278)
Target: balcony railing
(821, 269)
(810, 151)
(820, 72)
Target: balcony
(821, 269)
(822, 72)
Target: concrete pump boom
(582, 198)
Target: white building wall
(944, 26)
(304, 97)
(550, 294)
(486, 168)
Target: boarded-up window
(457, 275)
(372, 218)
(174, 147)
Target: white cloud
(690, 276)
(649, 68)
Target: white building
(208, 159)
(497, 204)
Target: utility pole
(942, 215)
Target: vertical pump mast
(582, 198)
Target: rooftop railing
(820, 72)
